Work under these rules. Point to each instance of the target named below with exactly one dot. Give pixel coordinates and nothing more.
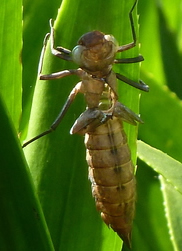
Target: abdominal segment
(111, 173)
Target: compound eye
(112, 39)
(77, 53)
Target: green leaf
(150, 221)
(10, 57)
(170, 51)
(173, 200)
(160, 33)
(168, 167)
(72, 204)
(171, 175)
(161, 110)
(22, 224)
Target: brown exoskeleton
(111, 170)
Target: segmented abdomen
(112, 175)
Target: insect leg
(43, 53)
(141, 85)
(126, 114)
(60, 52)
(132, 44)
(57, 75)
(129, 60)
(64, 50)
(55, 124)
(89, 120)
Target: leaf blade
(22, 225)
(10, 57)
(170, 172)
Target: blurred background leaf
(160, 36)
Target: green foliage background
(49, 206)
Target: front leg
(132, 44)
(60, 52)
(59, 118)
